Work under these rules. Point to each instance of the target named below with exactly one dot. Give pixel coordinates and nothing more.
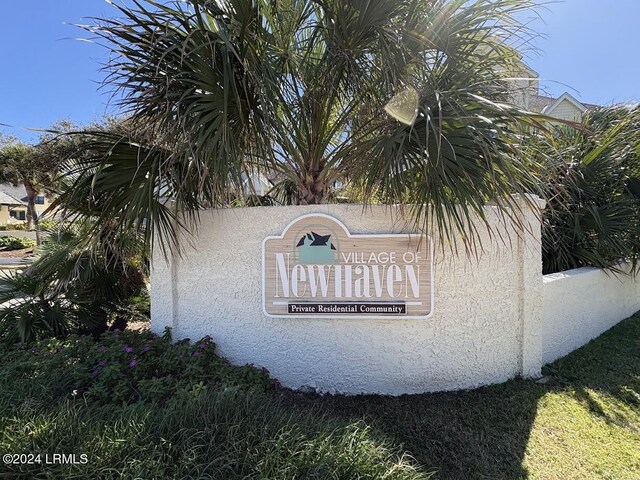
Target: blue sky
(590, 49)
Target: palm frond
(593, 215)
(299, 87)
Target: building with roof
(565, 107)
(526, 94)
(13, 204)
(12, 210)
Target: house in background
(526, 94)
(12, 210)
(256, 183)
(565, 107)
(13, 204)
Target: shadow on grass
(604, 375)
(484, 433)
(465, 435)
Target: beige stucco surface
(484, 329)
(581, 304)
(495, 316)
(4, 214)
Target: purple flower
(101, 348)
(103, 363)
(196, 353)
(207, 337)
(133, 363)
(128, 349)
(203, 345)
(146, 348)
(94, 372)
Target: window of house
(40, 200)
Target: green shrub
(8, 243)
(14, 226)
(178, 411)
(78, 284)
(48, 224)
(128, 367)
(593, 201)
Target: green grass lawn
(179, 411)
(583, 424)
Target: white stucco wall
(485, 327)
(578, 305)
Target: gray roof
(591, 106)
(16, 192)
(8, 199)
(538, 102)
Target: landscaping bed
(23, 252)
(9, 243)
(140, 407)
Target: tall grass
(218, 434)
(204, 429)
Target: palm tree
(75, 285)
(593, 204)
(37, 166)
(407, 101)
(24, 164)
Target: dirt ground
(139, 325)
(16, 253)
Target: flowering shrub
(131, 366)
(139, 406)
(15, 243)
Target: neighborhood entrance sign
(317, 268)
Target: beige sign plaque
(316, 268)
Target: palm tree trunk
(312, 193)
(45, 308)
(312, 184)
(32, 215)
